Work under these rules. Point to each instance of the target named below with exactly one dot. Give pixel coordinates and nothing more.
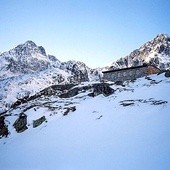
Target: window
(124, 74)
(137, 72)
(119, 74)
(131, 73)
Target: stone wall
(129, 73)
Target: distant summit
(25, 58)
(155, 52)
(28, 58)
(29, 47)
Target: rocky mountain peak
(161, 43)
(162, 37)
(29, 48)
(155, 52)
(25, 58)
(30, 43)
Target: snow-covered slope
(156, 52)
(126, 130)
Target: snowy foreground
(128, 130)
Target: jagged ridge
(156, 52)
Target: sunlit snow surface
(100, 134)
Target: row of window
(123, 74)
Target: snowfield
(128, 130)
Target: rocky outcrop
(39, 121)
(119, 83)
(69, 109)
(3, 128)
(167, 73)
(101, 88)
(155, 52)
(150, 101)
(79, 71)
(98, 88)
(20, 124)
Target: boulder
(3, 128)
(39, 121)
(2, 122)
(102, 88)
(68, 109)
(167, 73)
(20, 124)
(4, 131)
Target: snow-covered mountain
(126, 129)
(59, 115)
(27, 69)
(29, 58)
(156, 52)
(25, 58)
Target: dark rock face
(68, 109)
(20, 124)
(3, 128)
(98, 88)
(102, 88)
(42, 50)
(167, 73)
(2, 122)
(51, 90)
(70, 93)
(39, 121)
(150, 101)
(78, 70)
(120, 83)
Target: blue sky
(96, 32)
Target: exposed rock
(68, 109)
(148, 78)
(2, 122)
(158, 102)
(99, 117)
(70, 93)
(39, 121)
(73, 108)
(119, 83)
(98, 88)
(102, 88)
(56, 88)
(3, 128)
(20, 124)
(4, 131)
(167, 73)
(26, 58)
(150, 101)
(51, 90)
(74, 91)
(127, 104)
(78, 69)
